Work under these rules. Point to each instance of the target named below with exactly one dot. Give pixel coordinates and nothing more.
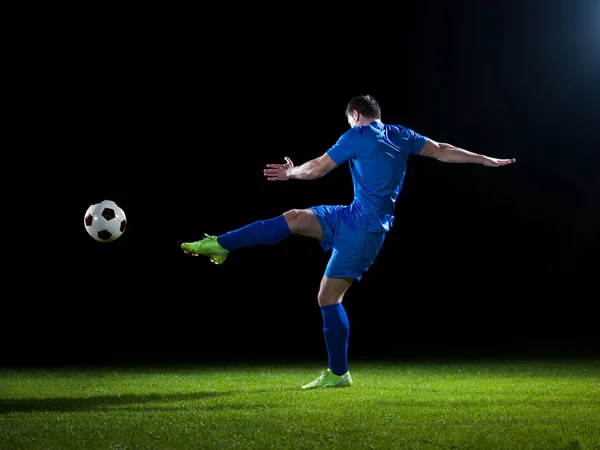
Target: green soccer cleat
(207, 247)
(329, 379)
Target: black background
(174, 113)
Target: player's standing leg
(353, 251)
(336, 330)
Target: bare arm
(450, 154)
(310, 170)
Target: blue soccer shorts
(353, 249)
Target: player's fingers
(273, 166)
(288, 160)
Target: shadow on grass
(103, 402)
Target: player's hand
(279, 172)
(495, 162)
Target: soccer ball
(105, 221)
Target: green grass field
(415, 405)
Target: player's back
(382, 157)
(377, 154)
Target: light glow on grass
(493, 404)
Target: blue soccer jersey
(377, 154)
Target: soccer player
(377, 154)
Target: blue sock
(261, 232)
(336, 330)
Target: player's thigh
(304, 222)
(332, 290)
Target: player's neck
(365, 121)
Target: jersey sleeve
(417, 141)
(345, 148)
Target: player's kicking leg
(262, 232)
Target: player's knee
(299, 221)
(332, 291)
(291, 217)
(325, 300)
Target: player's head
(365, 106)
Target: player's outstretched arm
(451, 154)
(310, 170)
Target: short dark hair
(366, 105)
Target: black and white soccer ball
(105, 221)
